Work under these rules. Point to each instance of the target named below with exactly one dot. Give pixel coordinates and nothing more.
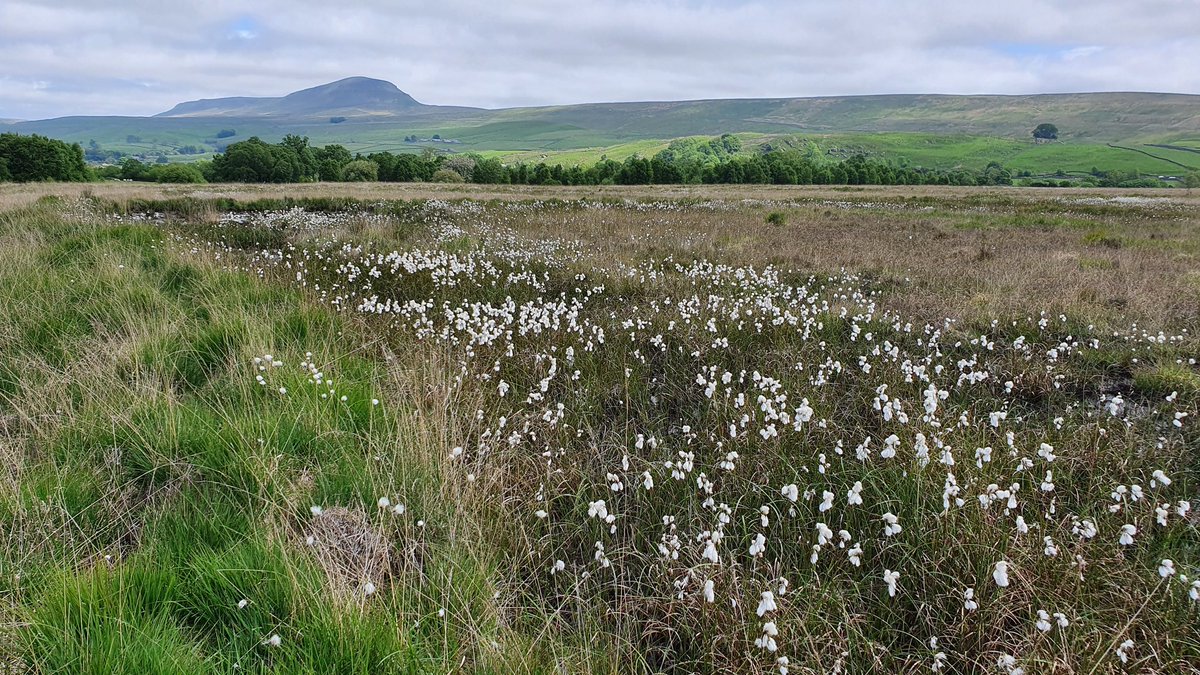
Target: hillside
(358, 96)
(1126, 130)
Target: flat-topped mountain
(351, 96)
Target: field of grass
(414, 428)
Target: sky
(141, 57)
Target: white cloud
(142, 57)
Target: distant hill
(1147, 131)
(351, 96)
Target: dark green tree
(36, 158)
(1045, 132)
(330, 160)
(249, 161)
(361, 170)
(309, 167)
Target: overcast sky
(140, 57)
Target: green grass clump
(1166, 378)
(155, 484)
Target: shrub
(776, 218)
(361, 170)
(447, 176)
(177, 173)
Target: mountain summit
(353, 96)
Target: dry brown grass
(18, 194)
(1137, 265)
(941, 251)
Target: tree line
(690, 160)
(37, 158)
(717, 160)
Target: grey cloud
(141, 57)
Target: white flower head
(1000, 574)
(891, 524)
(759, 545)
(766, 603)
(890, 578)
(1123, 650)
(1166, 568)
(854, 494)
(826, 501)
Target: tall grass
(156, 483)
(150, 484)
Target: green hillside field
(1154, 134)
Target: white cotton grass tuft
(1000, 574)
(767, 640)
(854, 494)
(273, 641)
(792, 492)
(891, 578)
(891, 525)
(826, 501)
(758, 546)
(766, 603)
(1123, 650)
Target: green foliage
(177, 173)
(254, 161)
(37, 158)
(776, 218)
(1045, 131)
(463, 165)
(1192, 180)
(330, 160)
(360, 170)
(447, 176)
(226, 133)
